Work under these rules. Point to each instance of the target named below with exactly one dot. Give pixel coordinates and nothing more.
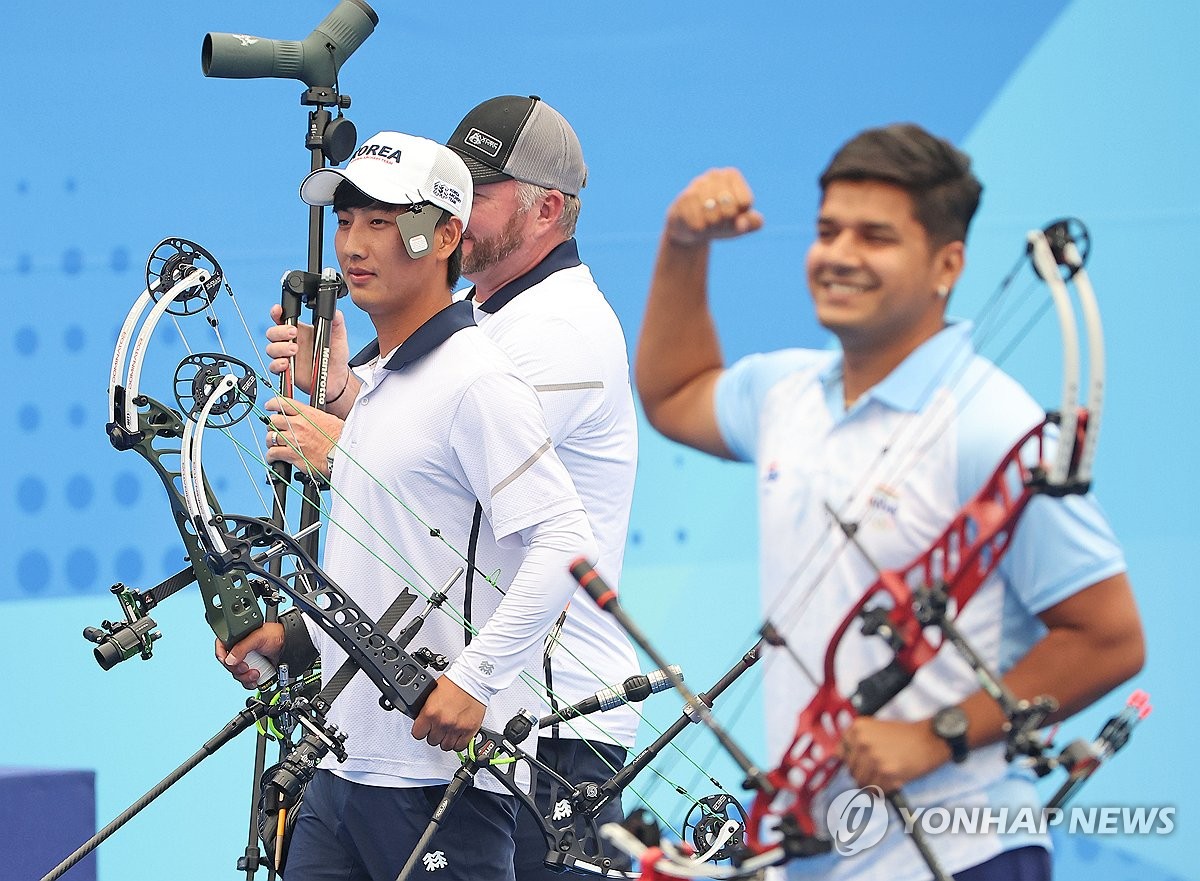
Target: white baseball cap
(398, 169)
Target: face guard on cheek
(417, 226)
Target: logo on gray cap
(483, 142)
(522, 139)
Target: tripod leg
(239, 723)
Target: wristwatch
(950, 724)
(329, 461)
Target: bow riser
(231, 606)
(967, 552)
(401, 679)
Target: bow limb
(1057, 246)
(181, 278)
(181, 284)
(1047, 268)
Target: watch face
(950, 723)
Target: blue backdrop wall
(1085, 108)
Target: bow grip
(266, 670)
(875, 691)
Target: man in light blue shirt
(893, 432)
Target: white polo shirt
(444, 422)
(566, 342)
(946, 418)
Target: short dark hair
(935, 174)
(347, 196)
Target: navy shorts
(351, 832)
(577, 761)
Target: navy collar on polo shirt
(564, 256)
(439, 328)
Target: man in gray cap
(535, 298)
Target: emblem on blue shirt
(885, 500)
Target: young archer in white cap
(533, 295)
(441, 423)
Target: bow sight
(117, 642)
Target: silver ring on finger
(710, 203)
(272, 439)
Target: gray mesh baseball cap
(526, 139)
